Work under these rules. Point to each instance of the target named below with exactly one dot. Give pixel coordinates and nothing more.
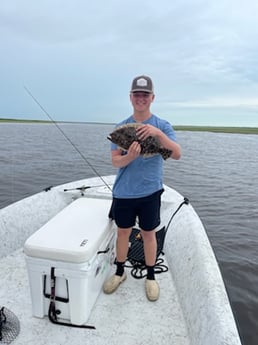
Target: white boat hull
(193, 307)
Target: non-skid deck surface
(125, 317)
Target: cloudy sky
(78, 58)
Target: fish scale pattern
(125, 135)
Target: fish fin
(128, 125)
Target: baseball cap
(142, 83)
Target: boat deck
(125, 317)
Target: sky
(78, 58)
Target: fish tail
(165, 153)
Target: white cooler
(79, 242)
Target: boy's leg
(124, 216)
(149, 221)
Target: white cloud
(80, 56)
(250, 103)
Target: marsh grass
(215, 129)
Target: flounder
(125, 135)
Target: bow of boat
(193, 307)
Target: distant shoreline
(218, 129)
(214, 129)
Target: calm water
(217, 172)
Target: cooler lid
(75, 234)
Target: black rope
(138, 269)
(184, 202)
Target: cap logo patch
(141, 82)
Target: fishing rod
(66, 137)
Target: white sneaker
(152, 289)
(113, 282)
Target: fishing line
(66, 137)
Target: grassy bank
(215, 129)
(239, 130)
(22, 121)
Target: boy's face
(141, 101)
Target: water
(217, 172)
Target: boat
(193, 307)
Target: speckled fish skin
(125, 135)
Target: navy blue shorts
(147, 209)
